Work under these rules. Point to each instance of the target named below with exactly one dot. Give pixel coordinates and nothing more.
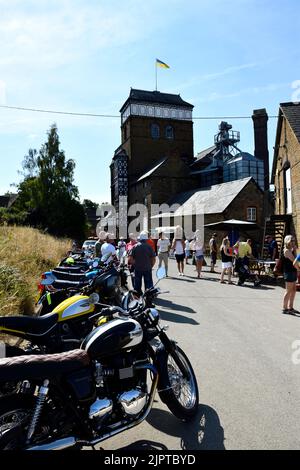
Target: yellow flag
(159, 63)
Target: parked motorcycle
(110, 283)
(87, 395)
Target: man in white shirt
(163, 246)
(108, 250)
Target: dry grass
(24, 254)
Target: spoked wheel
(181, 394)
(15, 413)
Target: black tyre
(180, 394)
(15, 414)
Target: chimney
(260, 124)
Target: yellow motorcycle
(61, 330)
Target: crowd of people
(143, 251)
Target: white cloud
(271, 87)
(214, 75)
(2, 92)
(51, 37)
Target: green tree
(48, 192)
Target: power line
(68, 113)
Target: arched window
(169, 132)
(155, 132)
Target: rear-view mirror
(94, 298)
(48, 279)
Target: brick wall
(144, 151)
(289, 151)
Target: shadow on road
(184, 278)
(203, 433)
(169, 304)
(176, 318)
(145, 445)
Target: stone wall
(288, 153)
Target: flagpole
(155, 76)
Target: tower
(260, 123)
(156, 143)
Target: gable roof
(144, 96)
(7, 201)
(291, 111)
(204, 157)
(213, 200)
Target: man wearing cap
(143, 258)
(108, 250)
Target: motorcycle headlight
(154, 315)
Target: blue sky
(227, 57)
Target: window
(288, 191)
(169, 132)
(251, 214)
(155, 131)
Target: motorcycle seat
(42, 365)
(32, 326)
(70, 269)
(61, 284)
(65, 276)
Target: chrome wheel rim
(11, 419)
(184, 389)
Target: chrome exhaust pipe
(60, 444)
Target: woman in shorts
(226, 257)
(198, 246)
(178, 246)
(290, 263)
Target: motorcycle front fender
(160, 359)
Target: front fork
(170, 347)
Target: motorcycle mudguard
(161, 357)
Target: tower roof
(144, 96)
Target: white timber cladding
(155, 110)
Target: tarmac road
(240, 345)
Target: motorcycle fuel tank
(73, 307)
(108, 282)
(113, 337)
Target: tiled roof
(292, 113)
(213, 200)
(205, 153)
(144, 96)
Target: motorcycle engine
(133, 401)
